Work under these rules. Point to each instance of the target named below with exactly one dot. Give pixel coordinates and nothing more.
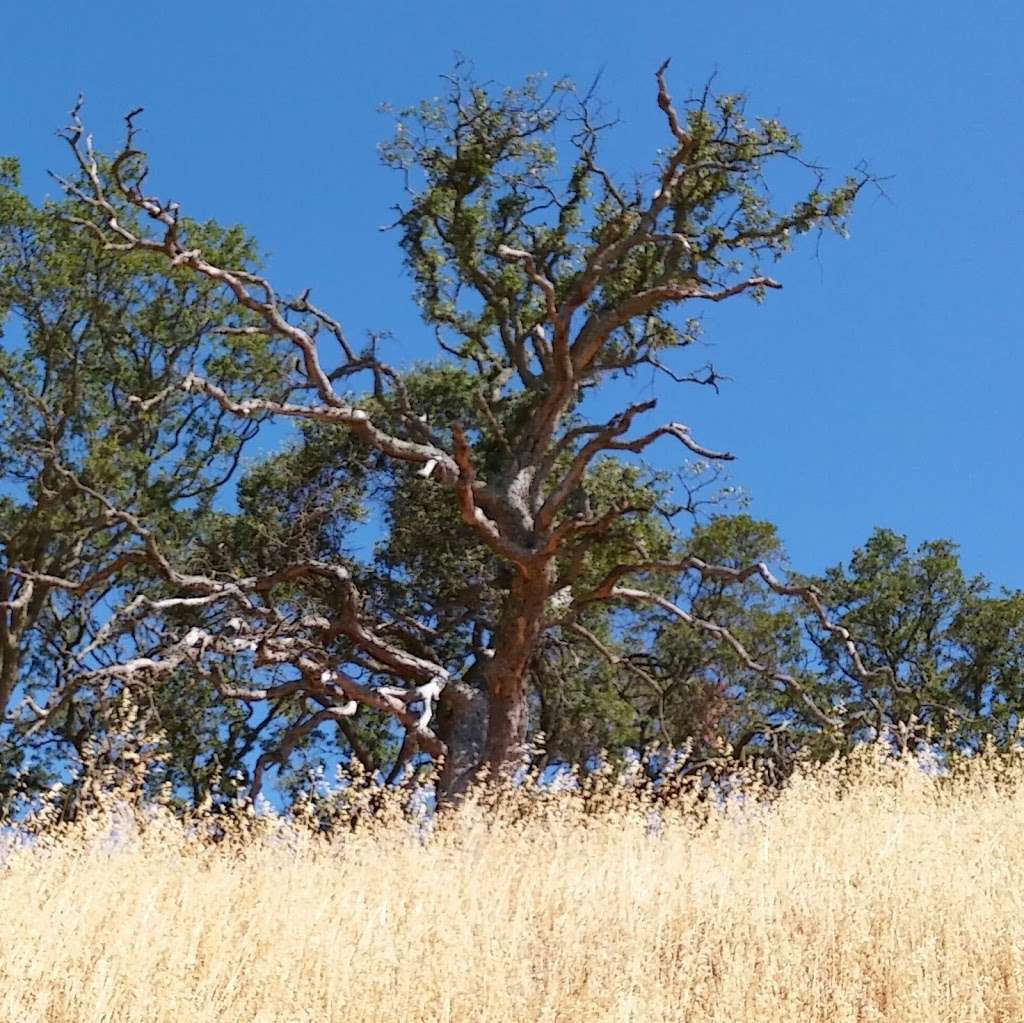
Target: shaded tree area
(532, 575)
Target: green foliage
(954, 650)
(94, 347)
(676, 684)
(519, 168)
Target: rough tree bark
(462, 727)
(522, 622)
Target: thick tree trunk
(8, 680)
(10, 668)
(9, 652)
(462, 727)
(483, 718)
(515, 642)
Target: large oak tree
(543, 275)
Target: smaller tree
(953, 650)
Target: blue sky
(881, 387)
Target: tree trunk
(515, 642)
(462, 727)
(10, 667)
(9, 652)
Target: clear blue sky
(881, 387)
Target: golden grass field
(881, 893)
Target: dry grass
(884, 894)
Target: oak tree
(544, 275)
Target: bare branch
(614, 659)
(608, 588)
(251, 292)
(665, 103)
(726, 636)
(604, 437)
(599, 327)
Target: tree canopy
(531, 573)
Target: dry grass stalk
(875, 892)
